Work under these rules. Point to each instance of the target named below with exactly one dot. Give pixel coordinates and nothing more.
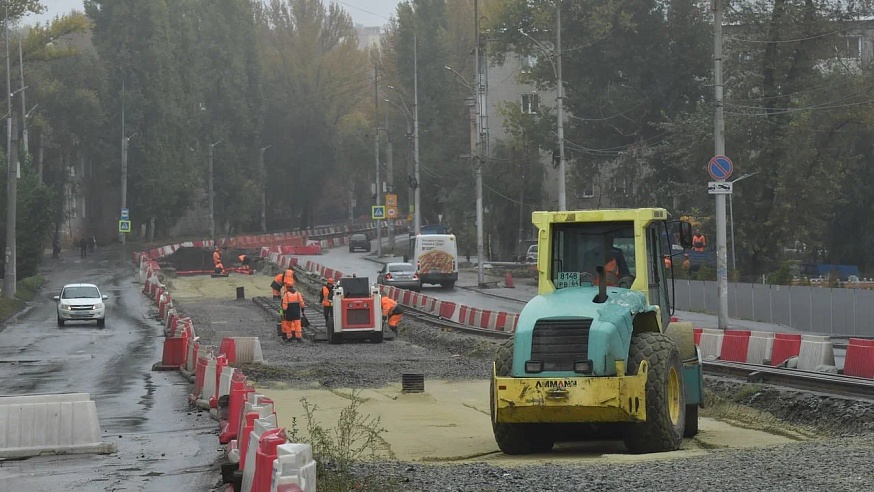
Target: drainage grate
(412, 383)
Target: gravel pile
(833, 465)
(839, 462)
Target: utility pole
(719, 149)
(562, 162)
(390, 171)
(9, 274)
(24, 112)
(477, 109)
(263, 189)
(211, 201)
(417, 214)
(378, 190)
(121, 235)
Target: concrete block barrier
(815, 351)
(711, 342)
(786, 346)
(760, 346)
(859, 360)
(735, 344)
(62, 424)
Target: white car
(81, 302)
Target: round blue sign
(720, 167)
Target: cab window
(579, 248)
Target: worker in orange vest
(292, 311)
(668, 262)
(699, 241)
(244, 261)
(326, 297)
(686, 263)
(283, 280)
(216, 256)
(391, 312)
(219, 268)
(611, 272)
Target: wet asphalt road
(162, 444)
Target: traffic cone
(508, 281)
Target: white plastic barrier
(63, 423)
(209, 388)
(248, 350)
(261, 425)
(255, 404)
(760, 347)
(294, 465)
(711, 342)
(815, 351)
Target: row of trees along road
(289, 74)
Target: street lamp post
(477, 164)
(731, 213)
(211, 201)
(414, 115)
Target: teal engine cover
(567, 326)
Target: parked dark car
(359, 241)
(400, 275)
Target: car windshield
(359, 237)
(404, 267)
(80, 293)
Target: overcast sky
(367, 12)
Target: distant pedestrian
(92, 244)
(83, 247)
(699, 241)
(687, 265)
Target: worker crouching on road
(292, 310)
(392, 312)
(283, 280)
(326, 297)
(245, 262)
(219, 268)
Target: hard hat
(330, 281)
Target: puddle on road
(450, 423)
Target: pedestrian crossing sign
(123, 226)
(377, 212)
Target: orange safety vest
(326, 296)
(216, 257)
(699, 241)
(668, 262)
(292, 297)
(387, 305)
(611, 273)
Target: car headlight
(65, 307)
(99, 305)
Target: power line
(797, 40)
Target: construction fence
(834, 311)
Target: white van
(436, 258)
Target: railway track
(832, 384)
